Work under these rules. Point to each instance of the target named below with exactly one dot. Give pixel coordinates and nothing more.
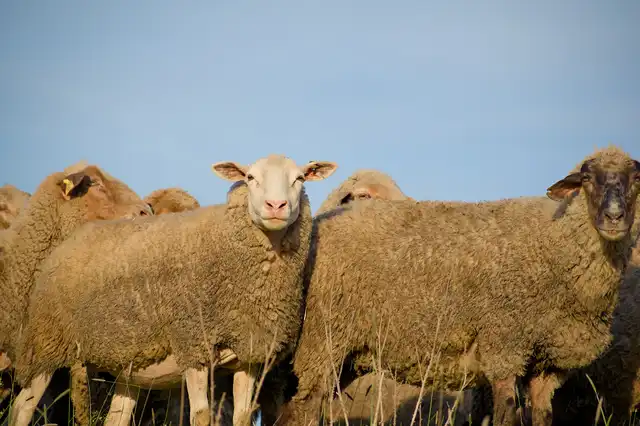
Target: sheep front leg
(80, 394)
(197, 381)
(541, 389)
(504, 402)
(27, 400)
(122, 405)
(243, 382)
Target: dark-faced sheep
(177, 292)
(493, 291)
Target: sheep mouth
(275, 219)
(273, 224)
(613, 233)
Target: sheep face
(275, 184)
(94, 196)
(611, 189)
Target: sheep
(497, 287)
(358, 187)
(171, 200)
(230, 274)
(363, 184)
(61, 203)
(12, 200)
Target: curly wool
(455, 276)
(210, 271)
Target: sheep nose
(614, 215)
(613, 210)
(275, 205)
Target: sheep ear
(74, 185)
(565, 188)
(229, 170)
(318, 170)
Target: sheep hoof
(243, 419)
(201, 418)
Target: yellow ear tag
(68, 186)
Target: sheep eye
(364, 196)
(586, 178)
(300, 178)
(250, 178)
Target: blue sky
(456, 100)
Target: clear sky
(456, 100)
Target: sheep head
(91, 194)
(370, 184)
(275, 184)
(610, 180)
(170, 200)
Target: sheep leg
(197, 381)
(243, 383)
(122, 405)
(541, 389)
(80, 395)
(27, 400)
(504, 402)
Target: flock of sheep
(522, 301)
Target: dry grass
(376, 398)
(372, 399)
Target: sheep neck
(595, 265)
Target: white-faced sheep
(171, 200)
(12, 200)
(178, 291)
(61, 203)
(363, 184)
(494, 291)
